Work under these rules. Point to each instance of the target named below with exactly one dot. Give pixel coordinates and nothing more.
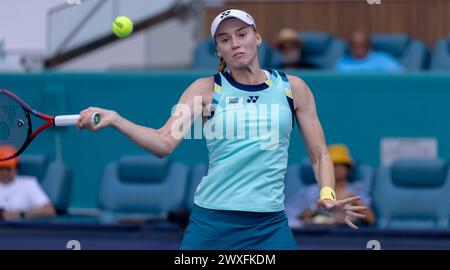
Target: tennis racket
(16, 128)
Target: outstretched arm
(160, 142)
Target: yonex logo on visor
(231, 13)
(224, 14)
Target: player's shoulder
(204, 84)
(295, 81)
(301, 93)
(298, 85)
(201, 87)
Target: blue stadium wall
(354, 109)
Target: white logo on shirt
(237, 102)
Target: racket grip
(66, 120)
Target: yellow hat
(6, 151)
(340, 154)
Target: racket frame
(30, 133)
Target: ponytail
(223, 65)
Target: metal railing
(75, 30)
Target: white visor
(231, 13)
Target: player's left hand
(344, 211)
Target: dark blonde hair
(223, 64)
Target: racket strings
(13, 126)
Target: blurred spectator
(20, 196)
(289, 45)
(363, 59)
(302, 209)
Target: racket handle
(66, 120)
(71, 120)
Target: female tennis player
(240, 203)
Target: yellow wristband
(327, 193)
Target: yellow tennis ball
(122, 26)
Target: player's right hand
(107, 118)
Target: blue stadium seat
(54, 178)
(197, 174)
(301, 175)
(440, 59)
(142, 186)
(412, 194)
(411, 53)
(321, 49)
(181, 215)
(293, 182)
(205, 55)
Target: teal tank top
(247, 136)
